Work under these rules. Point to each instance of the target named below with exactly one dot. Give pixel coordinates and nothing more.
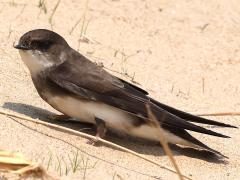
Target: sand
(185, 53)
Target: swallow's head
(41, 48)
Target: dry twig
(163, 141)
(219, 114)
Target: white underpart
(114, 118)
(35, 61)
(88, 110)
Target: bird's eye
(40, 45)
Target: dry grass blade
(89, 137)
(75, 25)
(15, 163)
(53, 12)
(163, 141)
(83, 32)
(219, 114)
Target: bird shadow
(136, 144)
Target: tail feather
(188, 137)
(190, 117)
(169, 120)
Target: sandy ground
(185, 53)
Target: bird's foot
(101, 131)
(93, 142)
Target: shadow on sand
(138, 145)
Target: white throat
(35, 61)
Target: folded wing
(94, 83)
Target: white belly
(87, 111)
(114, 118)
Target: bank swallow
(80, 89)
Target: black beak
(22, 47)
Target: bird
(80, 89)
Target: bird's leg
(101, 130)
(57, 117)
